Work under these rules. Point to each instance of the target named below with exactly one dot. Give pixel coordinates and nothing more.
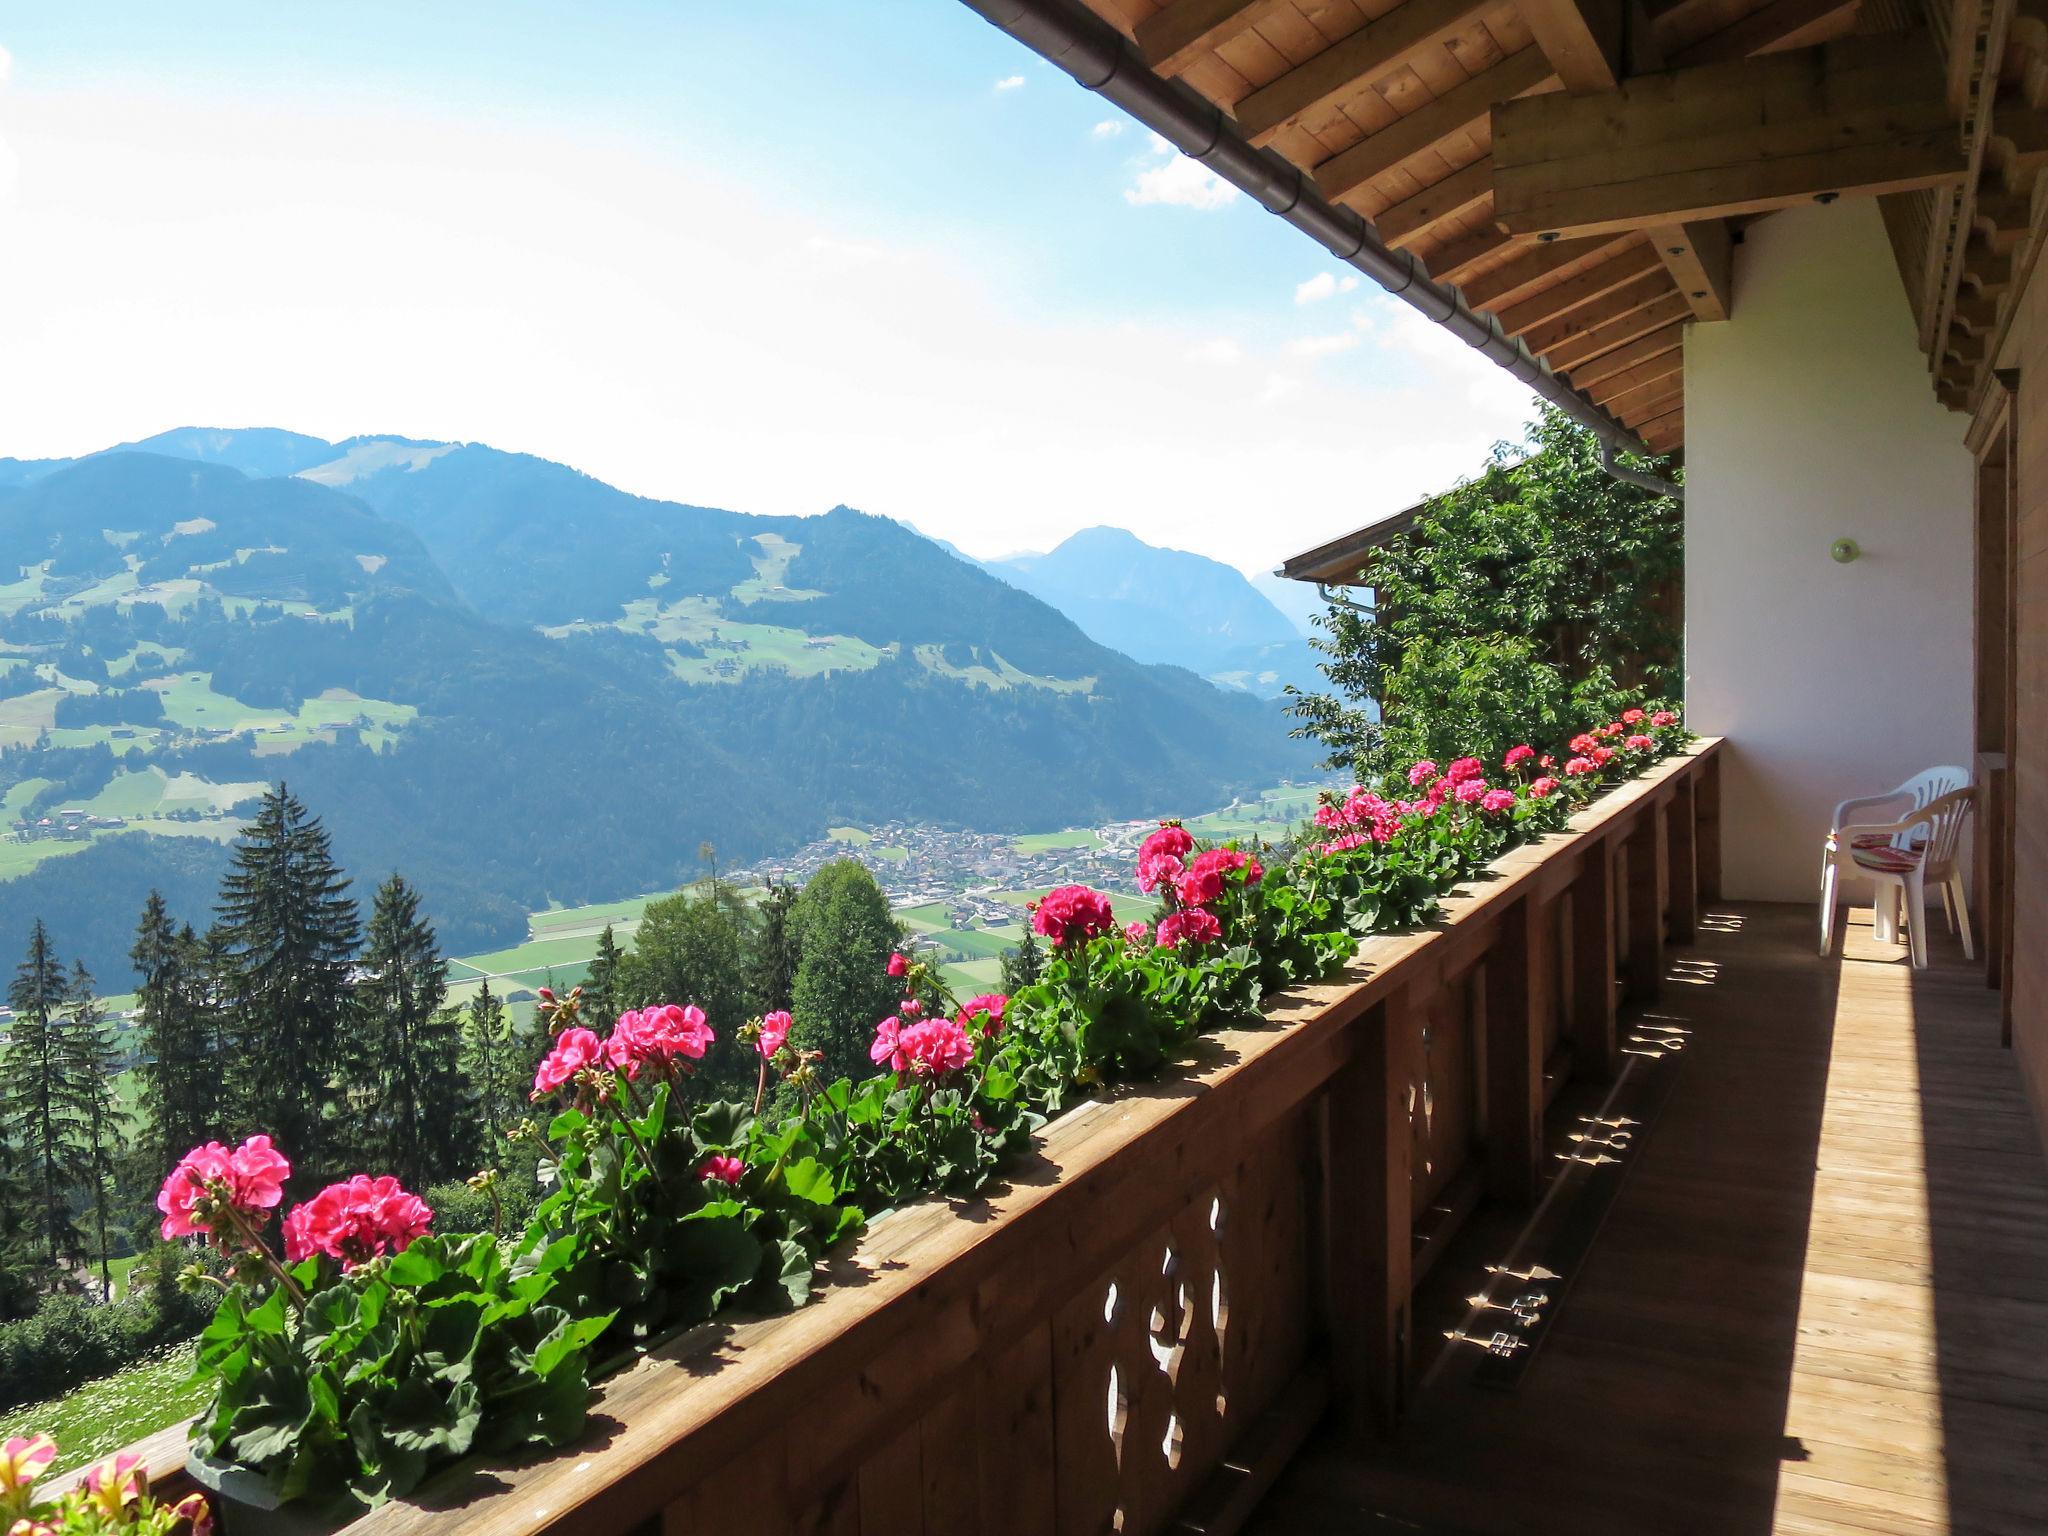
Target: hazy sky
(764, 254)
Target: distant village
(65, 826)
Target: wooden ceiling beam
(1583, 346)
(1648, 400)
(1660, 367)
(1180, 32)
(1701, 260)
(1347, 69)
(1581, 38)
(1665, 435)
(1637, 261)
(1539, 264)
(1455, 260)
(1625, 300)
(1454, 112)
(1785, 24)
(1591, 371)
(1412, 218)
(1867, 114)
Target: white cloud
(6, 66)
(1180, 183)
(1108, 128)
(1278, 387)
(1218, 349)
(1010, 83)
(1324, 285)
(1322, 346)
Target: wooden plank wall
(1184, 1263)
(2027, 759)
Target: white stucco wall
(1810, 417)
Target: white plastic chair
(1903, 857)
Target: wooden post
(1592, 974)
(1643, 967)
(1514, 1056)
(1685, 894)
(1369, 1225)
(1707, 827)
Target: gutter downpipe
(1098, 57)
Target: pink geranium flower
(1137, 935)
(1580, 765)
(898, 964)
(1190, 925)
(354, 1221)
(574, 1049)
(1420, 772)
(1631, 716)
(774, 1030)
(1516, 756)
(1464, 770)
(1663, 717)
(1157, 868)
(250, 1178)
(1583, 743)
(1542, 788)
(1072, 913)
(1639, 743)
(1496, 800)
(723, 1167)
(989, 1008)
(1602, 756)
(1172, 839)
(1224, 861)
(1470, 791)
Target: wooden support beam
(1594, 1053)
(1368, 1148)
(1665, 433)
(1412, 218)
(1455, 111)
(1538, 264)
(1581, 38)
(1177, 34)
(1347, 69)
(1606, 365)
(1643, 966)
(1646, 402)
(1786, 24)
(1514, 994)
(1453, 261)
(1662, 366)
(1638, 261)
(1867, 114)
(1616, 306)
(1685, 890)
(1701, 260)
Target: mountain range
(519, 684)
(1168, 606)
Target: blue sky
(765, 255)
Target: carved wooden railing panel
(1178, 1269)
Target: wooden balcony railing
(1155, 1309)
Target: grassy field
(852, 836)
(980, 944)
(972, 975)
(1045, 842)
(534, 955)
(102, 1416)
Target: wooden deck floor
(1819, 1303)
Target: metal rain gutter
(1067, 34)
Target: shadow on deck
(1818, 1304)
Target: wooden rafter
(1701, 260)
(1456, 260)
(1456, 111)
(1534, 268)
(1413, 217)
(1179, 33)
(1784, 24)
(1581, 38)
(1582, 346)
(1636, 262)
(1594, 367)
(1868, 114)
(1621, 303)
(1346, 70)
(1629, 379)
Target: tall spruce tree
(601, 982)
(96, 1060)
(1021, 966)
(176, 1072)
(290, 933)
(419, 1120)
(496, 1069)
(775, 946)
(41, 1103)
(843, 987)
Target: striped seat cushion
(1884, 858)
